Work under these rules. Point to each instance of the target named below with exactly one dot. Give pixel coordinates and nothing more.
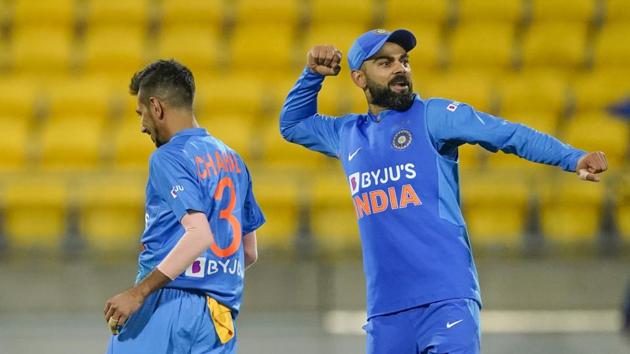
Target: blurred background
(553, 252)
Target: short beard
(383, 96)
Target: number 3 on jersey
(227, 215)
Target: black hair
(167, 80)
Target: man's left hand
(590, 165)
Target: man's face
(388, 77)
(148, 122)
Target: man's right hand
(324, 60)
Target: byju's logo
(175, 190)
(354, 182)
(197, 268)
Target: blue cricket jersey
(402, 170)
(195, 171)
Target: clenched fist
(324, 59)
(590, 165)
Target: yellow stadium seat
(482, 45)
(555, 44)
(111, 212)
(609, 50)
(195, 47)
(44, 13)
(428, 54)
(468, 156)
(35, 215)
(359, 12)
(473, 88)
(233, 94)
(491, 11)
(235, 131)
(270, 11)
(495, 208)
(131, 148)
(193, 12)
(333, 217)
(340, 96)
(278, 153)
(14, 143)
(582, 11)
(71, 144)
(617, 11)
(600, 131)
(41, 50)
(571, 209)
(129, 12)
(113, 49)
(18, 98)
(279, 198)
(88, 97)
(339, 35)
(406, 11)
(599, 89)
(622, 212)
(249, 41)
(533, 91)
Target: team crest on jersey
(402, 139)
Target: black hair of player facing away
(168, 80)
(383, 96)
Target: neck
(181, 120)
(376, 109)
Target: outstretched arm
(299, 121)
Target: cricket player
(200, 233)
(401, 162)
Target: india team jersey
(195, 171)
(402, 173)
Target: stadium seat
(279, 198)
(340, 96)
(111, 212)
(18, 98)
(197, 47)
(131, 148)
(612, 137)
(340, 35)
(231, 94)
(468, 156)
(570, 209)
(596, 90)
(41, 50)
(429, 52)
(134, 13)
(331, 12)
(473, 88)
(71, 144)
(249, 41)
(609, 52)
(333, 218)
(88, 97)
(507, 12)
(193, 12)
(555, 44)
(280, 154)
(616, 11)
(234, 130)
(35, 213)
(412, 11)
(580, 11)
(269, 11)
(58, 13)
(622, 196)
(113, 49)
(482, 45)
(533, 91)
(14, 143)
(495, 208)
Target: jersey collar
(191, 132)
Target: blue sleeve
(253, 217)
(451, 124)
(176, 183)
(301, 124)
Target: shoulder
(443, 107)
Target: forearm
(301, 103)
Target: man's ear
(359, 79)
(155, 106)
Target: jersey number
(226, 214)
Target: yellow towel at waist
(222, 319)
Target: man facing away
(200, 233)
(401, 162)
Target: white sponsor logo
(449, 324)
(202, 267)
(197, 268)
(352, 155)
(359, 180)
(453, 106)
(175, 190)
